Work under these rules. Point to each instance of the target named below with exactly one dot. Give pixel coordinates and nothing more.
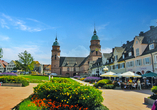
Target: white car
(54, 74)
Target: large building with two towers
(70, 66)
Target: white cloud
(3, 24)
(4, 38)
(106, 50)
(79, 51)
(103, 26)
(12, 53)
(26, 24)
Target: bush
(91, 79)
(154, 89)
(14, 79)
(63, 80)
(109, 86)
(82, 79)
(72, 94)
(102, 82)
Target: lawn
(38, 79)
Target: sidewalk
(124, 99)
(11, 96)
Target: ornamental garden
(59, 93)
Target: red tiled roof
(3, 63)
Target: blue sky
(32, 25)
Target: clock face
(96, 49)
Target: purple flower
(8, 74)
(76, 76)
(87, 79)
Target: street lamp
(105, 69)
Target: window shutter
(133, 63)
(113, 66)
(140, 61)
(124, 65)
(149, 60)
(144, 61)
(118, 66)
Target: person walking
(139, 84)
(49, 77)
(52, 76)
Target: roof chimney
(127, 42)
(141, 33)
(112, 49)
(151, 27)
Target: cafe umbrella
(109, 74)
(150, 74)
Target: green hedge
(154, 89)
(102, 82)
(85, 96)
(63, 80)
(109, 86)
(14, 79)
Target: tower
(95, 47)
(55, 58)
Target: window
(136, 42)
(130, 53)
(147, 61)
(138, 62)
(116, 57)
(55, 57)
(111, 60)
(111, 67)
(155, 58)
(123, 56)
(137, 52)
(122, 65)
(116, 66)
(107, 61)
(151, 46)
(68, 69)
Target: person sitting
(134, 85)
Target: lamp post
(105, 69)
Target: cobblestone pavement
(11, 96)
(124, 99)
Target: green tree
(18, 65)
(26, 61)
(1, 53)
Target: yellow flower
(67, 102)
(83, 97)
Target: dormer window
(136, 42)
(130, 53)
(151, 46)
(111, 60)
(123, 56)
(116, 57)
(137, 52)
(107, 61)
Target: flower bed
(91, 79)
(102, 83)
(76, 77)
(14, 79)
(8, 74)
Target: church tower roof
(56, 43)
(95, 37)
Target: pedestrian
(154, 107)
(49, 77)
(95, 82)
(52, 76)
(139, 84)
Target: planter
(149, 101)
(12, 84)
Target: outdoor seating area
(130, 80)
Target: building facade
(70, 66)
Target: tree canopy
(26, 61)
(1, 52)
